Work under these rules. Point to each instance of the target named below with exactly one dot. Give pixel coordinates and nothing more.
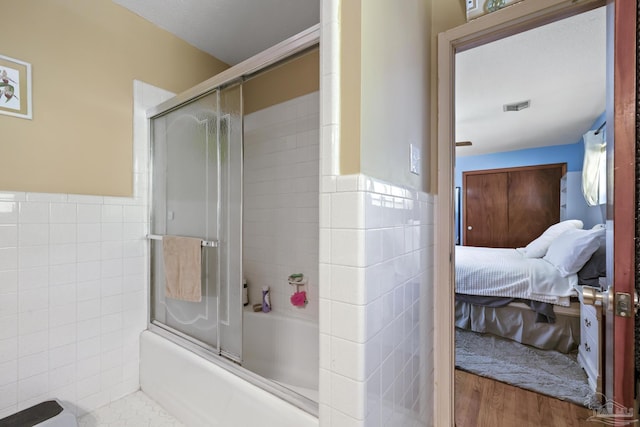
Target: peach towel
(182, 267)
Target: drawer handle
(587, 323)
(586, 347)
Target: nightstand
(589, 352)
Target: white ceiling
(230, 30)
(560, 67)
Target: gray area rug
(547, 372)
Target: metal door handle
(469, 227)
(624, 304)
(591, 296)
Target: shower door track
(184, 336)
(196, 342)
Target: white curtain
(594, 161)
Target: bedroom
(524, 104)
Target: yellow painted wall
(395, 89)
(85, 56)
(388, 86)
(293, 78)
(384, 88)
(446, 14)
(350, 85)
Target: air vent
(517, 106)
(463, 143)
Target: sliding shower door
(191, 154)
(230, 142)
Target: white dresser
(589, 353)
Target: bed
(529, 294)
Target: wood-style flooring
(483, 402)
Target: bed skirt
(517, 322)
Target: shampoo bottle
(266, 300)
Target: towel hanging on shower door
(182, 267)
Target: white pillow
(570, 251)
(538, 247)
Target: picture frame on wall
(15, 88)
(478, 8)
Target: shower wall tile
(34, 212)
(8, 212)
(8, 258)
(63, 213)
(72, 290)
(45, 197)
(281, 202)
(8, 282)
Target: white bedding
(507, 273)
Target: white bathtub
(200, 393)
(283, 349)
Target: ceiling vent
(517, 106)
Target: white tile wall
(281, 199)
(375, 280)
(64, 333)
(73, 289)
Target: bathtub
(283, 349)
(199, 392)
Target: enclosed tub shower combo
(207, 354)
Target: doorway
(507, 21)
(520, 171)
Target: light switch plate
(415, 159)
(472, 4)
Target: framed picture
(477, 8)
(15, 87)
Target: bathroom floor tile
(134, 410)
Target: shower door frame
(271, 56)
(283, 50)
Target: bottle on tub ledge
(245, 293)
(266, 300)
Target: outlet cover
(472, 4)
(415, 159)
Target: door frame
(510, 20)
(619, 370)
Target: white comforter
(507, 273)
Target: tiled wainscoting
(376, 242)
(73, 298)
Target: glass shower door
(190, 198)
(230, 134)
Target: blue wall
(572, 154)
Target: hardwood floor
(483, 402)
